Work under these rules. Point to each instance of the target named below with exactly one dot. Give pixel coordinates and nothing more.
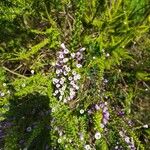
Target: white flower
(72, 83)
(58, 71)
(78, 76)
(29, 129)
(121, 133)
(56, 92)
(53, 64)
(63, 79)
(61, 55)
(72, 55)
(105, 103)
(94, 57)
(63, 46)
(146, 89)
(55, 80)
(68, 69)
(97, 135)
(81, 137)
(60, 133)
(57, 85)
(23, 85)
(76, 87)
(65, 100)
(87, 147)
(53, 109)
(74, 73)
(81, 111)
(102, 125)
(127, 139)
(59, 140)
(2, 94)
(145, 126)
(78, 53)
(70, 78)
(66, 51)
(79, 65)
(105, 81)
(65, 73)
(107, 55)
(68, 98)
(32, 71)
(61, 82)
(65, 60)
(72, 93)
(75, 78)
(60, 98)
(70, 140)
(8, 92)
(64, 87)
(4, 84)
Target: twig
(14, 72)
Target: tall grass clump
(74, 75)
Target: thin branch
(11, 71)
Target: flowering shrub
(74, 75)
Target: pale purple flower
(81, 136)
(105, 121)
(66, 51)
(82, 49)
(97, 107)
(105, 109)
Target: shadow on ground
(27, 124)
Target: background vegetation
(115, 69)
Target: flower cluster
(128, 140)
(66, 82)
(103, 106)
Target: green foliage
(115, 69)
